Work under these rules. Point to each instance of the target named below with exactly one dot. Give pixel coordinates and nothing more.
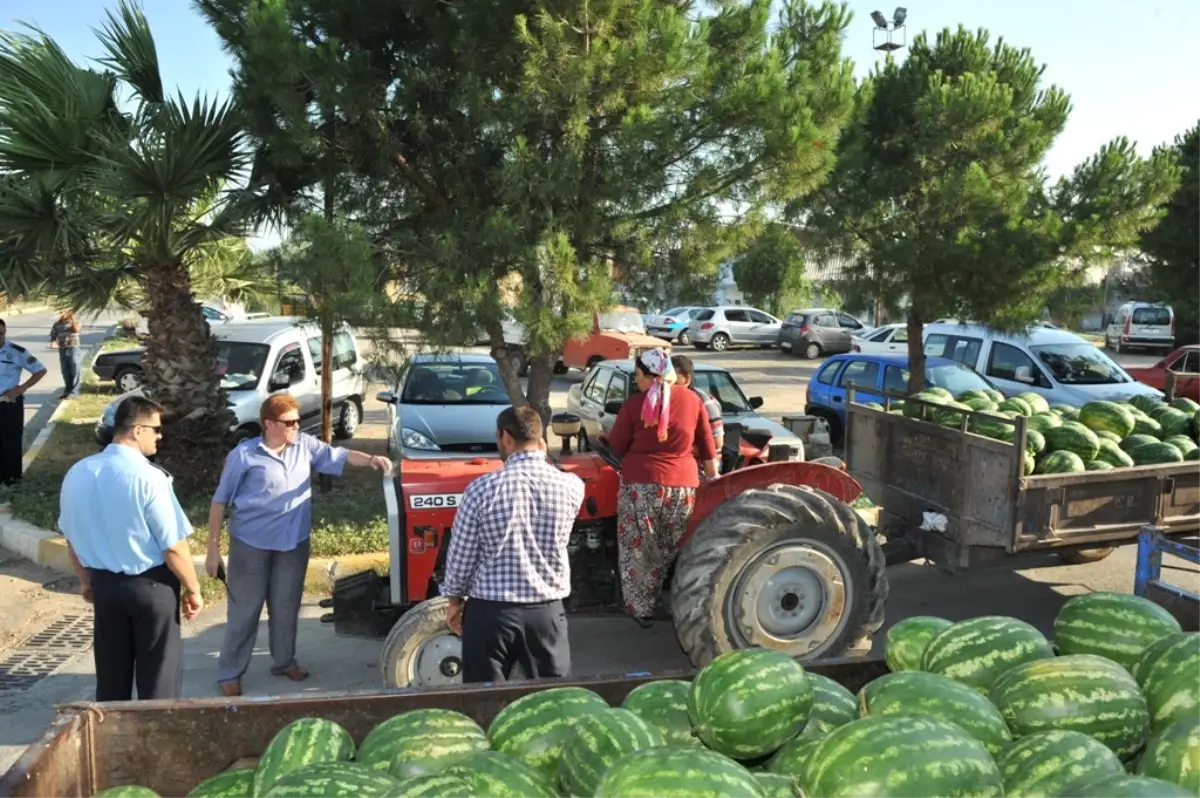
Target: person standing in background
(686, 372)
(14, 359)
(64, 336)
(127, 538)
(267, 482)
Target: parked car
(671, 325)
(881, 340)
(124, 367)
(444, 403)
(612, 381)
(814, 332)
(732, 325)
(1141, 325)
(1184, 361)
(872, 376)
(617, 333)
(258, 358)
(1059, 365)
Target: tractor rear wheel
(786, 567)
(420, 650)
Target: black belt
(159, 573)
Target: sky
(1131, 68)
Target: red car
(1184, 361)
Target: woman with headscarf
(654, 434)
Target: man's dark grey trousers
(498, 635)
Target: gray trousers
(255, 576)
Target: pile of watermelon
(983, 707)
(1100, 436)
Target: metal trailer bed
(1148, 582)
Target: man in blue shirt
(127, 538)
(14, 360)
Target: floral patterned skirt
(651, 520)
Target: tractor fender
(713, 494)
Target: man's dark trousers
(498, 634)
(136, 636)
(12, 432)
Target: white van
(280, 353)
(1141, 325)
(1059, 365)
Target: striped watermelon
(905, 642)
(1145, 402)
(917, 692)
(778, 785)
(535, 726)
(1044, 422)
(1061, 462)
(678, 772)
(1174, 422)
(303, 742)
(1043, 764)
(1126, 787)
(1105, 415)
(379, 746)
(1113, 454)
(1155, 453)
(1137, 439)
(663, 705)
(1114, 625)
(793, 757)
(833, 706)
(128, 791)
(438, 785)
(747, 703)
(1067, 412)
(1105, 435)
(599, 740)
(333, 780)
(1081, 692)
(1037, 403)
(901, 755)
(1168, 672)
(498, 775)
(1174, 755)
(1074, 437)
(977, 651)
(1144, 425)
(1098, 465)
(229, 784)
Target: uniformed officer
(14, 359)
(128, 540)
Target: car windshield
(1080, 364)
(622, 321)
(955, 378)
(454, 384)
(720, 384)
(240, 365)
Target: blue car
(874, 374)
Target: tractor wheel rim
(791, 596)
(438, 661)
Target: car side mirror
(756, 402)
(612, 408)
(387, 397)
(279, 381)
(1023, 374)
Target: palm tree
(106, 181)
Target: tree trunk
(541, 375)
(916, 352)
(181, 374)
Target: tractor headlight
(411, 439)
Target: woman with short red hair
(267, 482)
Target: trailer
(170, 746)
(1148, 582)
(916, 471)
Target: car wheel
(560, 367)
(720, 342)
(243, 434)
(129, 379)
(348, 420)
(684, 339)
(812, 351)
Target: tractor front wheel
(786, 567)
(420, 650)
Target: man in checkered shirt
(507, 570)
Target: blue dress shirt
(15, 359)
(119, 512)
(271, 494)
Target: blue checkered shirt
(510, 534)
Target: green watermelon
(439, 785)
(777, 785)
(1079, 692)
(1097, 465)
(420, 742)
(1168, 671)
(947, 417)
(833, 706)
(1196, 424)
(1183, 443)
(1035, 442)
(749, 702)
(1174, 422)
(1060, 462)
(1192, 456)
(1137, 439)
(1067, 412)
(792, 758)
(128, 791)
(1016, 405)
(1155, 453)
(1043, 764)
(1157, 411)
(1118, 626)
(978, 650)
(499, 775)
(993, 394)
(535, 726)
(991, 425)
(1145, 402)
(1174, 755)
(1114, 455)
(901, 755)
(1028, 465)
(917, 692)
(974, 393)
(228, 784)
(1037, 403)
(332, 779)
(906, 641)
(874, 405)
(938, 390)
(678, 772)
(1110, 416)
(914, 409)
(1105, 435)
(1072, 436)
(1126, 787)
(979, 403)
(1185, 405)
(303, 742)
(1043, 422)
(1144, 425)
(663, 704)
(599, 740)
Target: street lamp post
(886, 33)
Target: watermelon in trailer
(833, 705)
(535, 726)
(678, 772)
(227, 784)
(333, 780)
(441, 727)
(301, 743)
(1109, 416)
(663, 704)
(1174, 755)
(499, 775)
(1118, 626)
(1168, 672)
(792, 758)
(978, 650)
(438, 785)
(1061, 462)
(1126, 787)
(1043, 764)
(777, 785)
(1073, 437)
(127, 791)
(1155, 454)
(599, 740)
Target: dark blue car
(874, 374)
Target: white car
(888, 339)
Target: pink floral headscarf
(656, 410)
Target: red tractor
(774, 557)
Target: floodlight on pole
(889, 36)
(899, 17)
(879, 19)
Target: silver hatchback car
(725, 326)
